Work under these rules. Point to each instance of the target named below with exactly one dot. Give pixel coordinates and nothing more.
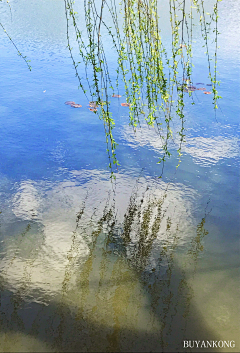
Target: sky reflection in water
(149, 262)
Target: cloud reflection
(84, 276)
(204, 150)
(26, 201)
(207, 151)
(56, 208)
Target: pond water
(140, 264)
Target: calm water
(140, 265)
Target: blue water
(51, 155)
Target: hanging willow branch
(155, 79)
(19, 53)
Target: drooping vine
(11, 40)
(155, 77)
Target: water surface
(140, 264)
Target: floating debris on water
(207, 92)
(208, 84)
(191, 88)
(182, 46)
(199, 83)
(125, 104)
(93, 109)
(187, 88)
(76, 105)
(201, 89)
(93, 104)
(73, 104)
(116, 96)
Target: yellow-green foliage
(154, 78)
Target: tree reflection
(130, 293)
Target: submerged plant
(154, 76)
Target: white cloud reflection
(204, 150)
(49, 264)
(26, 201)
(207, 150)
(47, 247)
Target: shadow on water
(132, 293)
